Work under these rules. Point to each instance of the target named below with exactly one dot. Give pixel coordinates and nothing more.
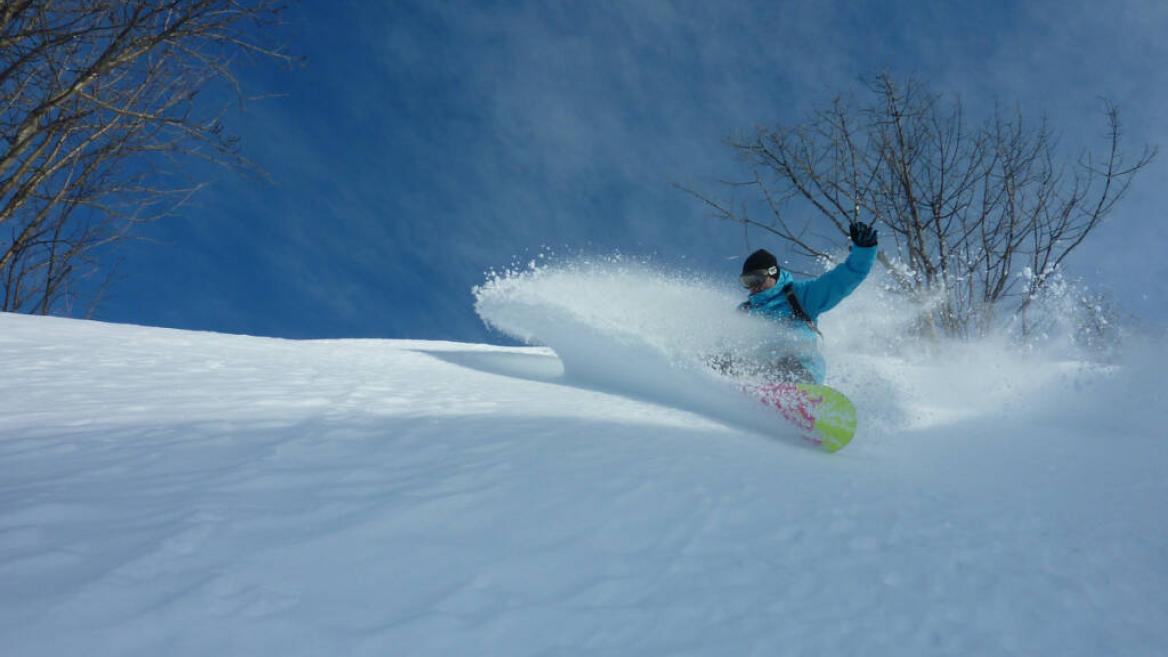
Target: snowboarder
(798, 304)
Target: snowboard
(823, 415)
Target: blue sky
(423, 143)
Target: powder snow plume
(628, 327)
(634, 328)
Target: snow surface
(177, 493)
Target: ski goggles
(757, 277)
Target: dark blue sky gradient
(424, 143)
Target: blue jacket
(816, 296)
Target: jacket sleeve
(822, 294)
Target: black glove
(863, 235)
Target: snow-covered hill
(176, 493)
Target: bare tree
(97, 110)
(966, 209)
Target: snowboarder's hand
(863, 235)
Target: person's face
(758, 280)
(766, 284)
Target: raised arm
(822, 294)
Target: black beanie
(760, 259)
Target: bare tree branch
(967, 207)
(93, 95)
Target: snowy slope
(176, 493)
